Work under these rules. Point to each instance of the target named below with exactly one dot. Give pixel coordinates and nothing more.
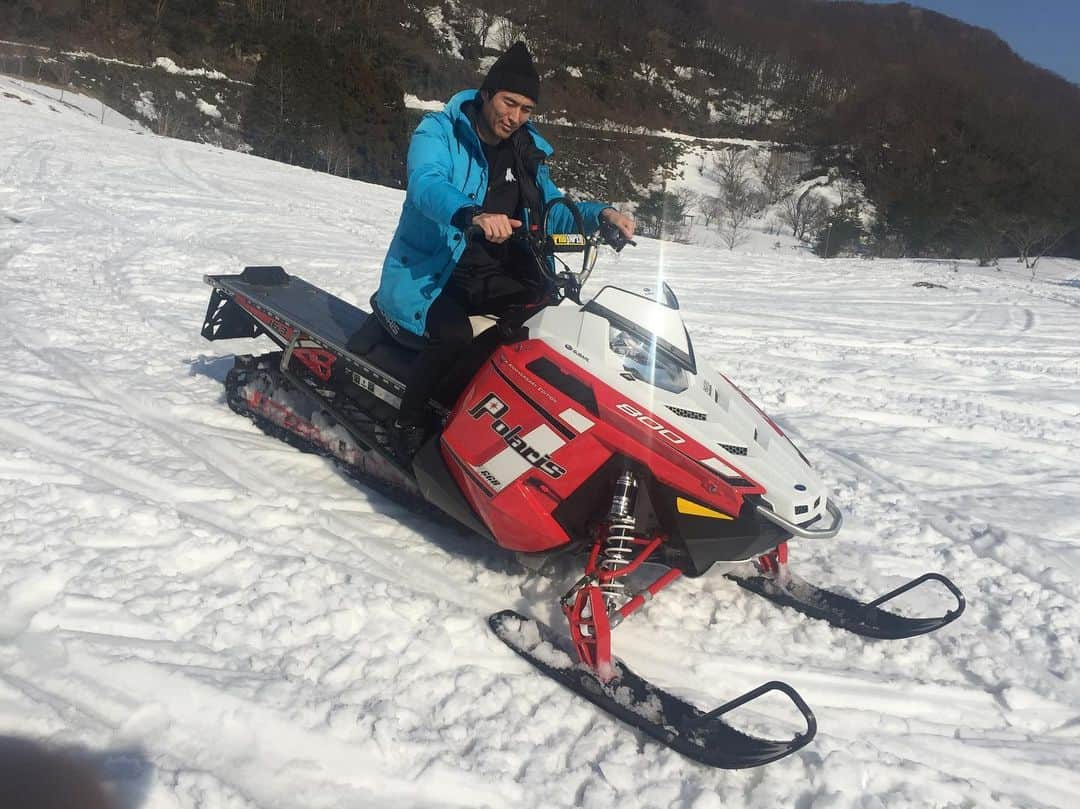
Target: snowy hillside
(216, 620)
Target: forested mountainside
(956, 140)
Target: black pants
(490, 289)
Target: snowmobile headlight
(642, 359)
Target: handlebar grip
(614, 237)
(475, 233)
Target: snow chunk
(206, 108)
(526, 635)
(169, 66)
(414, 103)
(145, 107)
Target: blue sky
(1046, 32)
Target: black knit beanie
(514, 71)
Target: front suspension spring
(617, 550)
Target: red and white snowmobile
(588, 427)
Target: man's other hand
(624, 223)
(497, 227)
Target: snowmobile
(583, 427)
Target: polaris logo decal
(491, 405)
(649, 422)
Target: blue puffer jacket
(447, 172)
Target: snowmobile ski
(866, 619)
(699, 735)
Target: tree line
(963, 148)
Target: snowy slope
(220, 621)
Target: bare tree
(780, 172)
(479, 24)
(333, 147)
(845, 190)
(64, 72)
(803, 212)
(736, 196)
(690, 201)
(791, 213)
(986, 229)
(1033, 238)
(508, 33)
(815, 215)
(711, 208)
(658, 51)
(170, 119)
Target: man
(478, 162)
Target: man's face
(506, 112)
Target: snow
(415, 103)
(219, 620)
(145, 106)
(437, 21)
(162, 62)
(96, 58)
(42, 96)
(614, 126)
(206, 108)
(169, 66)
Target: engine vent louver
(687, 414)
(734, 449)
(565, 383)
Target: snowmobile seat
(403, 337)
(413, 342)
(373, 342)
(286, 297)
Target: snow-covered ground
(216, 620)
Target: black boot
(408, 438)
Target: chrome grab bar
(808, 533)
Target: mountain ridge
(953, 135)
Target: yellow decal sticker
(689, 507)
(568, 240)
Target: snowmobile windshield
(648, 335)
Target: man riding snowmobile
(478, 166)
(588, 430)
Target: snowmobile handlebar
(614, 237)
(544, 246)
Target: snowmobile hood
(641, 351)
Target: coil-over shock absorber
(599, 600)
(617, 551)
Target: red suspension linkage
(586, 608)
(774, 564)
(590, 629)
(317, 360)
